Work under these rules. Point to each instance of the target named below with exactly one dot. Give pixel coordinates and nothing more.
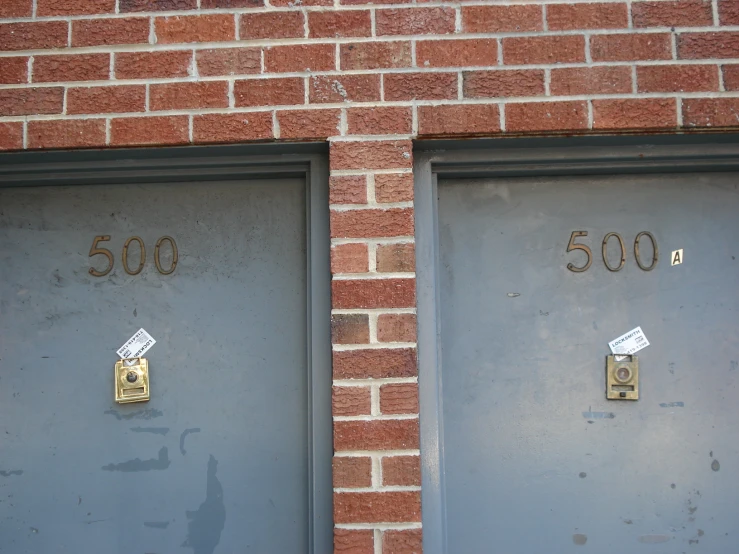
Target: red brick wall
(369, 78)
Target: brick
(350, 401)
(394, 187)
(235, 127)
(73, 7)
(347, 189)
(375, 55)
(377, 507)
(31, 101)
(11, 135)
(68, 133)
(299, 57)
(537, 50)
(710, 112)
(76, 67)
(420, 86)
(16, 8)
(194, 28)
(344, 88)
(454, 53)
(336, 24)
(630, 47)
(546, 116)
(226, 4)
(13, 71)
(362, 2)
(567, 17)
(374, 293)
(375, 363)
(349, 329)
(402, 542)
(269, 92)
(96, 32)
(349, 258)
(229, 61)
(503, 83)
(678, 13)
(731, 77)
(401, 398)
(414, 21)
(641, 113)
(381, 154)
(728, 12)
(152, 65)
(502, 19)
(401, 471)
(395, 222)
(694, 46)
(396, 328)
(272, 25)
(389, 434)
(353, 541)
(156, 5)
(159, 131)
(396, 258)
(351, 471)
(677, 78)
(590, 80)
(33, 36)
(309, 124)
(380, 121)
(188, 96)
(113, 99)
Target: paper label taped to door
(137, 345)
(631, 342)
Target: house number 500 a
(94, 250)
(604, 251)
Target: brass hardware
(174, 255)
(622, 377)
(142, 252)
(604, 251)
(132, 380)
(655, 257)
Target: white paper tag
(631, 342)
(137, 345)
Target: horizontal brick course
(502, 19)
(353, 541)
(696, 46)
(402, 471)
(352, 471)
(677, 78)
(269, 92)
(672, 13)
(591, 80)
(309, 124)
(350, 258)
(71, 133)
(642, 113)
(503, 83)
(150, 65)
(566, 17)
(451, 53)
(380, 121)
(418, 21)
(351, 401)
(14, 70)
(183, 96)
(546, 116)
(11, 136)
(115, 99)
(273, 25)
(35, 35)
(73, 7)
(339, 24)
(388, 434)
(394, 187)
(395, 154)
(543, 50)
(237, 127)
(630, 47)
(16, 8)
(375, 363)
(710, 112)
(380, 507)
(29, 101)
(396, 328)
(140, 131)
(194, 28)
(375, 55)
(374, 293)
(98, 32)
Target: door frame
(237, 162)
(515, 157)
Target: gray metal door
(535, 458)
(218, 460)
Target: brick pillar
(377, 493)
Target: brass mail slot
(622, 377)
(132, 380)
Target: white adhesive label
(631, 342)
(137, 345)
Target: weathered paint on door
(217, 461)
(535, 458)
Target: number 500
(604, 251)
(94, 250)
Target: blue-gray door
(218, 459)
(535, 458)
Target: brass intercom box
(132, 380)
(622, 377)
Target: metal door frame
(209, 163)
(516, 157)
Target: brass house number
(95, 250)
(604, 251)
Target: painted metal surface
(219, 459)
(532, 457)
